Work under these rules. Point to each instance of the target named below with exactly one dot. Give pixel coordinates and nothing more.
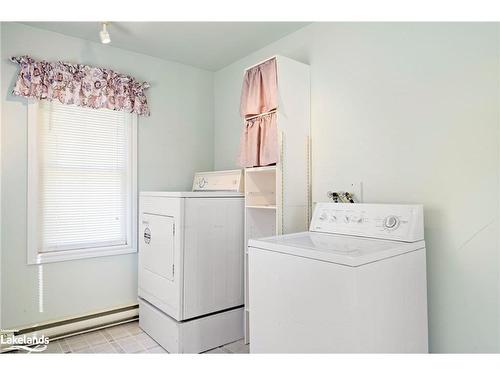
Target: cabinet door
(156, 258)
(158, 245)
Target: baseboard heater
(81, 324)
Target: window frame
(34, 256)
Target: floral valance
(83, 85)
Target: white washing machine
(191, 250)
(355, 283)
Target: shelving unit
(277, 197)
(260, 202)
(260, 214)
(263, 207)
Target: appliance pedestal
(192, 336)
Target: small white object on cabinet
(355, 283)
(277, 197)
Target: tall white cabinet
(278, 197)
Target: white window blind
(84, 177)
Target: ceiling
(207, 45)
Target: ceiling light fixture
(105, 38)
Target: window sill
(62, 256)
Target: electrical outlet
(356, 188)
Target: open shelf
(269, 168)
(265, 207)
(260, 199)
(260, 187)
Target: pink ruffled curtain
(83, 85)
(260, 89)
(259, 142)
(259, 94)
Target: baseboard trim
(84, 323)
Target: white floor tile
(104, 348)
(216, 351)
(64, 346)
(117, 347)
(117, 332)
(133, 328)
(157, 350)
(95, 338)
(125, 338)
(74, 339)
(107, 335)
(237, 347)
(130, 344)
(86, 350)
(76, 343)
(146, 341)
(53, 347)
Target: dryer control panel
(219, 181)
(398, 222)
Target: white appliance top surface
(192, 194)
(336, 248)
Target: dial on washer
(391, 222)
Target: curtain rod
(260, 115)
(261, 62)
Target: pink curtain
(259, 142)
(259, 94)
(260, 89)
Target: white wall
(174, 142)
(412, 111)
(0, 185)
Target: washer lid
(192, 194)
(341, 249)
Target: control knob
(391, 222)
(202, 182)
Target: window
(82, 197)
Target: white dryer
(356, 282)
(191, 264)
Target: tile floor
(124, 338)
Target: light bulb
(105, 38)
